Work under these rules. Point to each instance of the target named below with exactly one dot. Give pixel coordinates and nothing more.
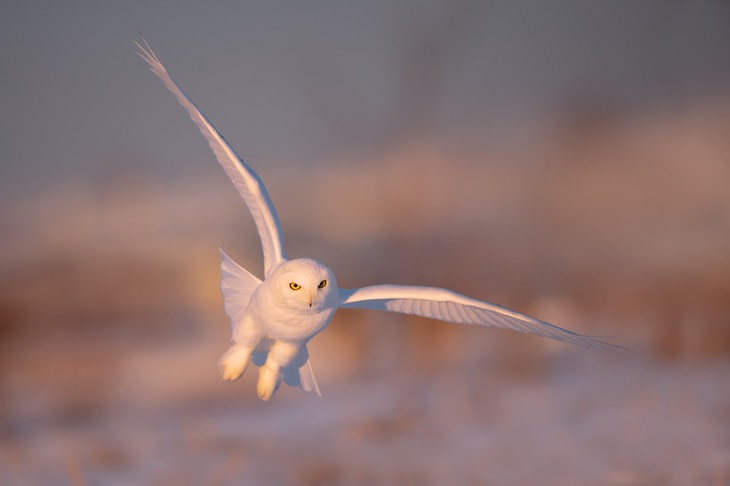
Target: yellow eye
(294, 286)
(322, 284)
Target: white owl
(273, 320)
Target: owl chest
(284, 323)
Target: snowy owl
(272, 320)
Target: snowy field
(576, 420)
(111, 323)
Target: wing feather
(308, 380)
(247, 182)
(450, 306)
(237, 286)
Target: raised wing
(450, 306)
(248, 183)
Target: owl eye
(294, 286)
(322, 284)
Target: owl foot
(268, 382)
(234, 362)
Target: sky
(302, 82)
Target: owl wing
(450, 306)
(247, 182)
(237, 286)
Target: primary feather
(247, 182)
(450, 306)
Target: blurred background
(570, 160)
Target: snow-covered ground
(111, 322)
(574, 419)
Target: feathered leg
(281, 354)
(234, 361)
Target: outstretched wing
(450, 306)
(248, 183)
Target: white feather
(450, 306)
(247, 182)
(308, 381)
(237, 286)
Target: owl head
(306, 284)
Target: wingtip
(145, 51)
(606, 347)
(315, 388)
(147, 45)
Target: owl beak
(311, 298)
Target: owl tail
(298, 373)
(307, 379)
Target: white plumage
(273, 320)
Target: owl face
(306, 284)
